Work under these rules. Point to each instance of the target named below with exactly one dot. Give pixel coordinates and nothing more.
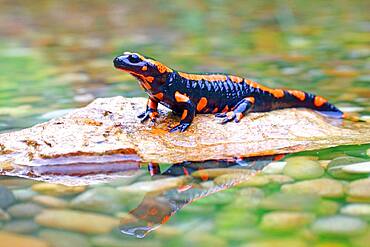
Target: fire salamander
(230, 97)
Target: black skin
(229, 98)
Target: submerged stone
(302, 168)
(323, 187)
(339, 225)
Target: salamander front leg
(151, 111)
(241, 109)
(188, 113)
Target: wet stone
(357, 209)
(64, 239)
(103, 199)
(6, 197)
(153, 186)
(339, 225)
(57, 189)
(359, 190)
(290, 202)
(323, 187)
(21, 226)
(358, 168)
(23, 194)
(279, 179)
(15, 240)
(335, 167)
(49, 201)
(24, 210)
(274, 168)
(212, 173)
(240, 234)
(73, 220)
(206, 240)
(301, 168)
(285, 221)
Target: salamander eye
(134, 58)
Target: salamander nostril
(117, 61)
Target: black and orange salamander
(230, 97)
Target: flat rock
(107, 130)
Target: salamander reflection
(199, 181)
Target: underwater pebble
(299, 168)
(49, 201)
(274, 168)
(361, 168)
(358, 209)
(279, 179)
(23, 194)
(285, 221)
(6, 197)
(24, 210)
(240, 234)
(335, 167)
(16, 240)
(212, 173)
(57, 189)
(235, 218)
(153, 186)
(103, 199)
(359, 190)
(205, 239)
(64, 239)
(278, 242)
(21, 226)
(255, 181)
(323, 187)
(76, 221)
(339, 225)
(168, 232)
(290, 202)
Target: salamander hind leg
(240, 110)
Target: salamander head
(138, 65)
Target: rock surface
(108, 130)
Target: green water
(57, 55)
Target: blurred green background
(57, 54)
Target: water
(56, 56)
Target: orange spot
(184, 114)
(298, 94)
(153, 115)
(239, 116)
(215, 110)
(278, 93)
(319, 101)
(144, 68)
(226, 109)
(204, 176)
(181, 97)
(197, 77)
(160, 66)
(158, 96)
(149, 79)
(153, 211)
(236, 79)
(165, 219)
(201, 104)
(250, 99)
(152, 104)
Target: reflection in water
(157, 208)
